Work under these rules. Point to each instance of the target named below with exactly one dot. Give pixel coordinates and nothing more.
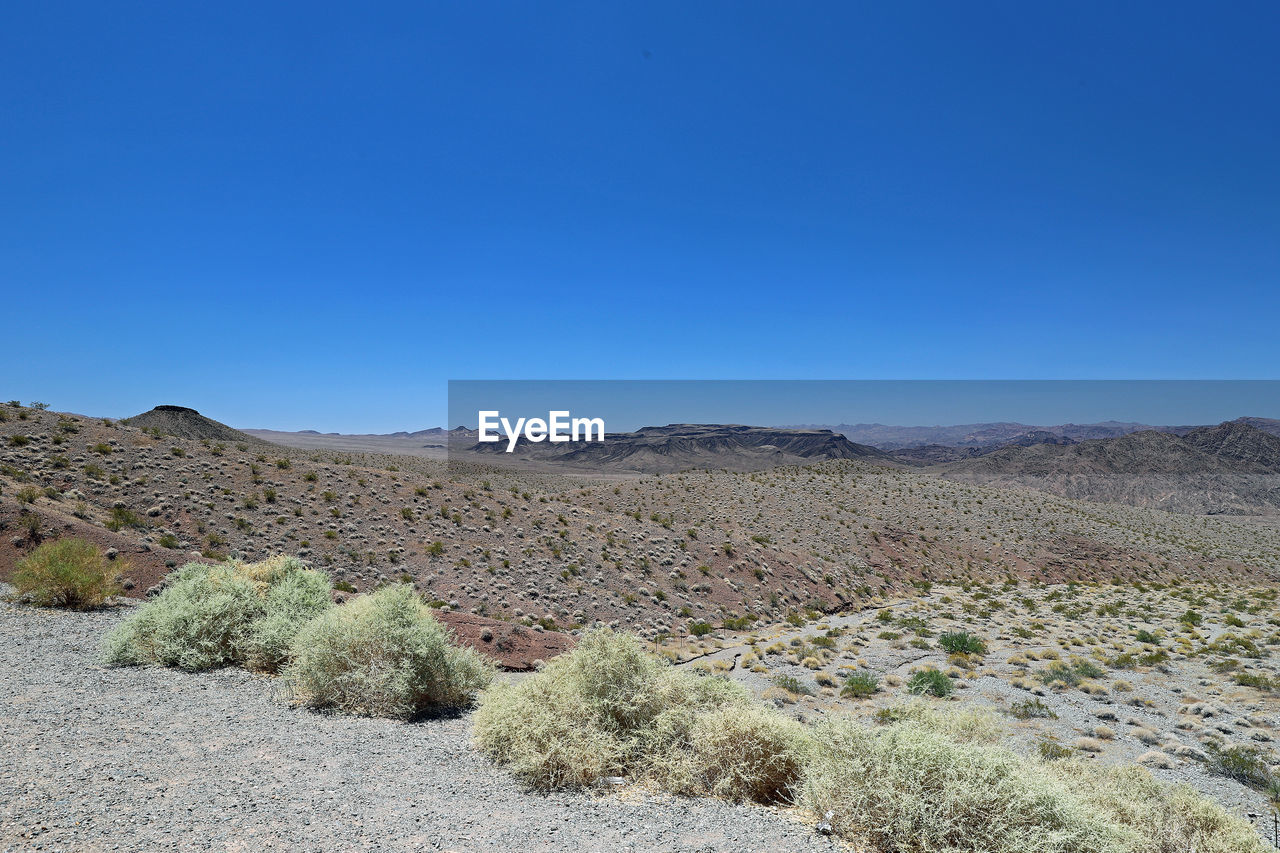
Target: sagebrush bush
(221, 615)
(937, 781)
(910, 789)
(383, 655)
(739, 754)
(1159, 818)
(608, 708)
(290, 600)
(66, 573)
(972, 725)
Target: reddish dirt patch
(138, 563)
(514, 647)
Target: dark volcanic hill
(181, 422)
(1229, 468)
(677, 447)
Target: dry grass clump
(383, 655)
(66, 573)
(1154, 758)
(607, 708)
(221, 615)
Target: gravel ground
(97, 758)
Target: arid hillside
(652, 554)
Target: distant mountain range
(989, 435)
(1233, 467)
(428, 443)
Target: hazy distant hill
(182, 422)
(676, 447)
(427, 443)
(934, 454)
(986, 435)
(1229, 468)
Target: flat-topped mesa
(656, 449)
(184, 422)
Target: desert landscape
(857, 586)
(660, 427)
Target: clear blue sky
(313, 215)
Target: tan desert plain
(691, 637)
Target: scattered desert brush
(66, 573)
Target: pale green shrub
(291, 600)
(608, 708)
(934, 782)
(908, 788)
(966, 725)
(1166, 819)
(383, 655)
(537, 730)
(737, 754)
(221, 615)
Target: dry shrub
(608, 708)
(1159, 818)
(1088, 744)
(66, 573)
(908, 787)
(966, 725)
(1154, 758)
(739, 754)
(222, 615)
(913, 786)
(383, 655)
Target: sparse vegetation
(962, 643)
(860, 685)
